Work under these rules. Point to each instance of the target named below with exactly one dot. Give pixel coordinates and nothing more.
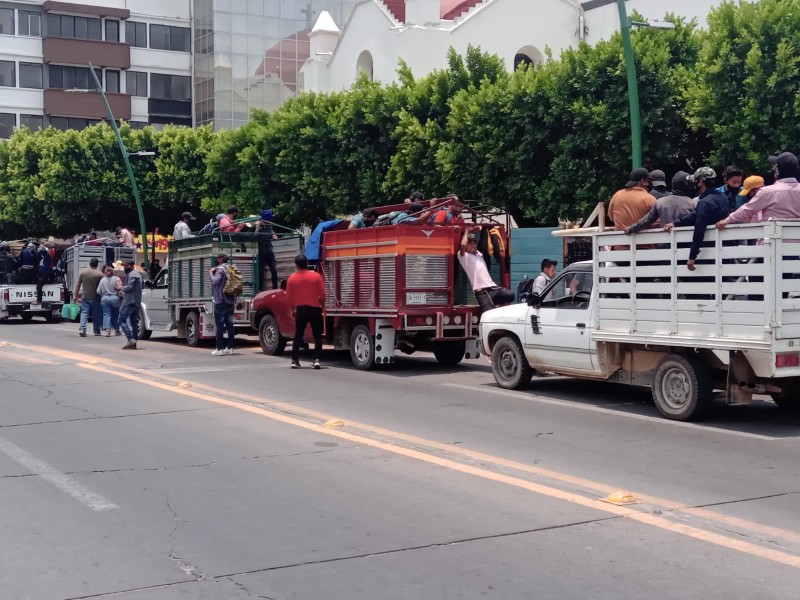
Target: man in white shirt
(489, 294)
(182, 230)
(543, 280)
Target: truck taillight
(61, 294)
(787, 359)
(5, 296)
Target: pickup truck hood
(513, 313)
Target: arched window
(528, 56)
(364, 63)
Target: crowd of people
(35, 264)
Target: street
(168, 473)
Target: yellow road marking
(24, 358)
(204, 392)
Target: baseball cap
(129, 262)
(472, 237)
(636, 176)
(658, 177)
(187, 215)
(704, 173)
(786, 161)
(267, 215)
(753, 182)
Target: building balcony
(70, 51)
(86, 105)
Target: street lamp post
(128, 168)
(625, 25)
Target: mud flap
(208, 328)
(384, 342)
(473, 348)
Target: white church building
(378, 33)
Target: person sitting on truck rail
(712, 207)
(449, 213)
(488, 294)
(415, 215)
(226, 223)
(182, 230)
(780, 200)
(671, 207)
(632, 202)
(364, 219)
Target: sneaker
(218, 353)
(317, 365)
(108, 333)
(82, 333)
(131, 345)
(227, 351)
(295, 365)
(98, 333)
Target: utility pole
(633, 86)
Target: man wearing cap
(732, 186)
(780, 200)
(711, 207)
(633, 201)
(266, 253)
(131, 304)
(658, 179)
(671, 207)
(488, 294)
(182, 230)
(750, 188)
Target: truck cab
(155, 314)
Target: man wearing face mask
(632, 202)
(131, 305)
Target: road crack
(184, 566)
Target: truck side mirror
(534, 300)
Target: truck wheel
(362, 348)
(192, 326)
(682, 388)
(449, 354)
(51, 318)
(789, 398)
(510, 367)
(269, 336)
(144, 332)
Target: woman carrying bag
(109, 291)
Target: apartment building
(141, 51)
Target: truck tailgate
(24, 294)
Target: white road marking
(57, 478)
(228, 367)
(605, 411)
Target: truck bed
(745, 292)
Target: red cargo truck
(395, 287)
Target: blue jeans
(223, 318)
(94, 307)
(129, 321)
(110, 304)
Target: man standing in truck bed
(489, 294)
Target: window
(112, 31)
(64, 123)
(164, 37)
(84, 28)
(30, 23)
(170, 87)
(112, 82)
(7, 22)
(136, 34)
(137, 124)
(67, 78)
(571, 290)
(7, 123)
(136, 83)
(8, 74)
(32, 122)
(30, 75)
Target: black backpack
(524, 288)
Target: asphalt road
(168, 473)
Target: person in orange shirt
(226, 223)
(632, 202)
(305, 291)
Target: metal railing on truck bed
(744, 293)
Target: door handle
(580, 325)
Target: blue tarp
(313, 245)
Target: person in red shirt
(449, 214)
(305, 293)
(226, 223)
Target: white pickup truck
(637, 315)
(19, 300)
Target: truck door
(157, 308)
(558, 330)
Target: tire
(789, 398)
(144, 332)
(192, 326)
(362, 348)
(509, 365)
(682, 388)
(269, 336)
(26, 317)
(449, 354)
(53, 318)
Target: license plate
(25, 294)
(416, 298)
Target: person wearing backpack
(223, 279)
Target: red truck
(393, 287)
